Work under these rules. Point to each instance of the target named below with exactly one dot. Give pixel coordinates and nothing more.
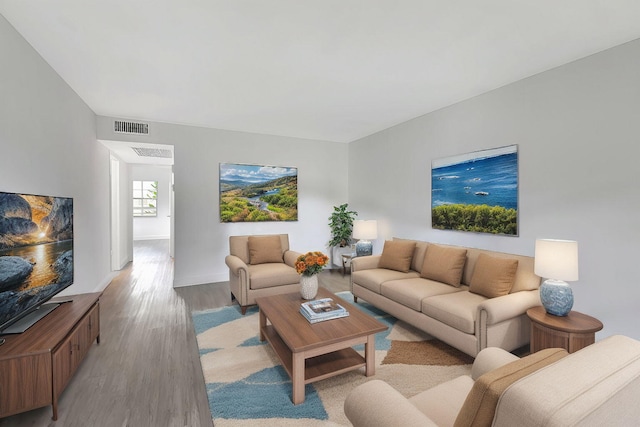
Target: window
(145, 195)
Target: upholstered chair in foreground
(261, 266)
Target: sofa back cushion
(525, 278)
(444, 264)
(239, 246)
(397, 255)
(480, 405)
(492, 276)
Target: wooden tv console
(36, 366)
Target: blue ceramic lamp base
(364, 248)
(556, 296)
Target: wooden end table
(312, 352)
(571, 332)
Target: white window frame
(145, 198)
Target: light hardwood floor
(146, 370)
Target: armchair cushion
(480, 405)
(492, 276)
(444, 264)
(397, 255)
(265, 249)
(272, 274)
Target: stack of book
(322, 309)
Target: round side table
(571, 332)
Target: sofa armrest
(365, 262)
(377, 404)
(499, 309)
(290, 258)
(489, 359)
(236, 265)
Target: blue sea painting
(487, 177)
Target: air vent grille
(153, 152)
(131, 127)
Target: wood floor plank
(146, 370)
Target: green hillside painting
(253, 193)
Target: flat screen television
(36, 254)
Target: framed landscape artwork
(253, 193)
(476, 192)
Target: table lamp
(364, 231)
(557, 261)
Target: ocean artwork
(254, 193)
(476, 192)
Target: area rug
(247, 386)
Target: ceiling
(334, 70)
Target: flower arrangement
(311, 263)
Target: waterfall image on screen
(36, 251)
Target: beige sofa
(482, 304)
(595, 386)
(261, 266)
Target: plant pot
(309, 286)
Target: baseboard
(179, 282)
(151, 238)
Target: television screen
(36, 252)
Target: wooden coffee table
(313, 352)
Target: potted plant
(341, 225)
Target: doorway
(139, 161)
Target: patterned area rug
(247, 386)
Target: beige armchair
(261, 266)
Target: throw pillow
(444, 264)
(479, 407)
(492, 276)
(264, 249)
(396, 255)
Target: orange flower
(311, 263)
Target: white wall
(578, 131)
(201, 241)
(48, 146)
(158, 227)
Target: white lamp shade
(365, 229)
(556, 259)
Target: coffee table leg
(370, 355)
(297, 378)
(263, 324)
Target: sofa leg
(355, 298)
(243, 309)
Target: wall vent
(131, 127)
(153, 152)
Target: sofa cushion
(492, 276)
(374, 277)
(525, 280)
(264, 249)
(397, 255)
(411, 292)
(418, 253)
(457, 309)
(480, 405)
(444, 264)
(272, 274)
